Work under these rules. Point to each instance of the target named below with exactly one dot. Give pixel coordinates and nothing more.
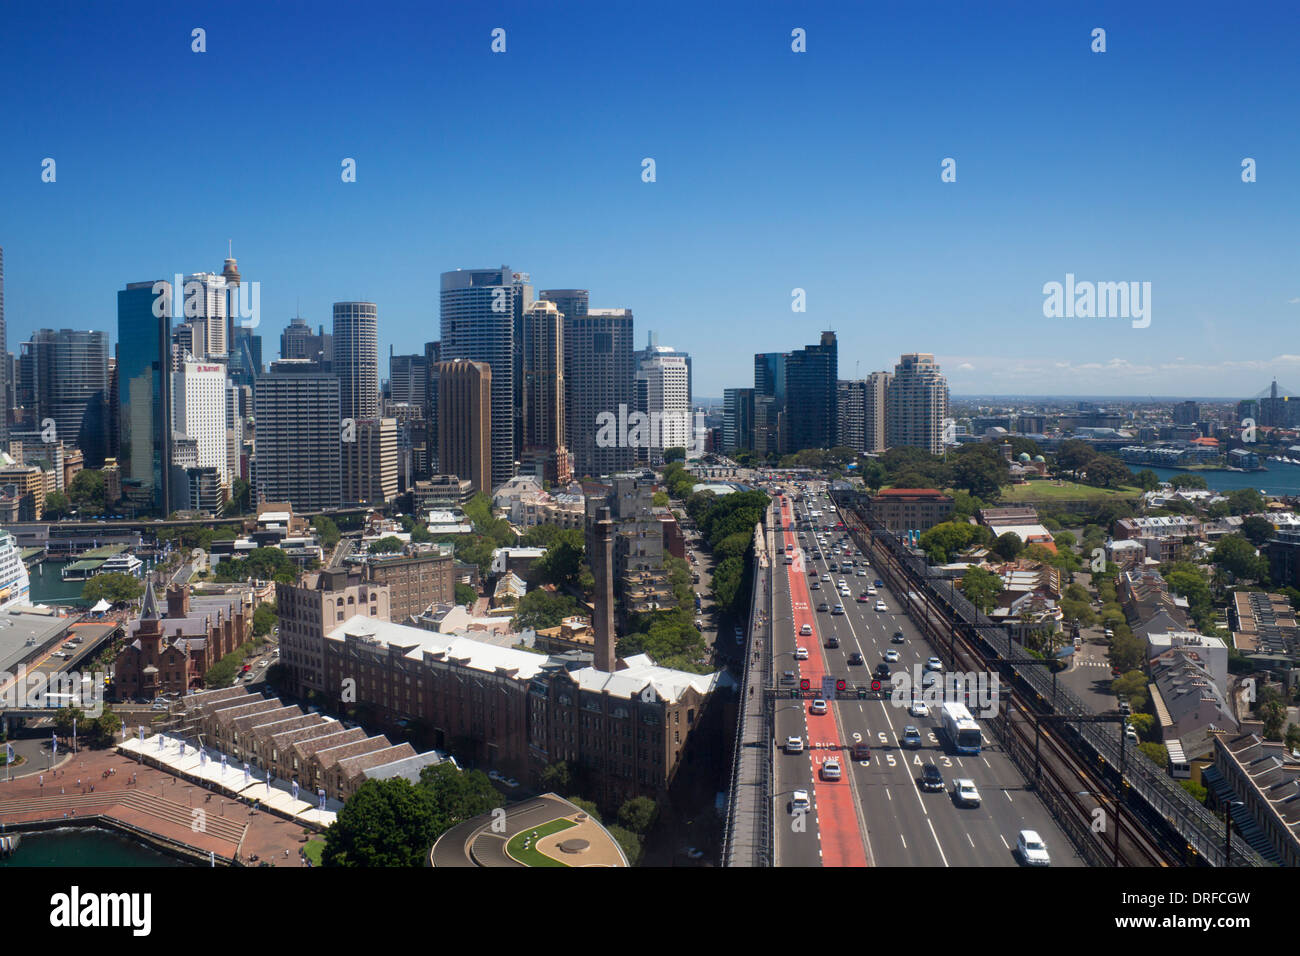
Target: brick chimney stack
(602, 570)
(178, 600)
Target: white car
(880, 606)
(964, 792)
(871, 589)
(817, 707)
(801, 653)
(831, 769)
(794, 745)
(799, 802)
(806, 630)
(1031, 849)
(919, 708)
(934, 664)
(891, 656)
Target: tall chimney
(602, 570)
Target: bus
(960, 728)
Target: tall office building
(653, 348)
(69, 381)
(663, 395)
(198, 393)
(482, 312)
(544, 453)
(769, 402)
(600, 377)
(812, 397)
(296, 445)
(204, 302)
(297, 341)
(370, 462)
(465, 435)
(917, 404)
(737, 419)
(356, 358)
(5, 383)
(851, 432)
(572, 304)
(143, 409)
(245, 355)
(432, 357)
(408, 380)
(236, 465)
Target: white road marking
(970, 841)
(1004, 841)
(1008, 795)
(936, 842)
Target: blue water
(85, 847)
(1280, 479)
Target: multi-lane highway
(877, 813)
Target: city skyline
(764, 192)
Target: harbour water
(1280, 479)
(48, 586)
(84, 847)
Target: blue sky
(775, 171)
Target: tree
(240, 496)
(674, 454)
(113, 587)
(57, 505)
(1237, 556)
(556, 777)
(385, 823)
(390, 544)
(1257, 530)
(1008, 546)
(1080, 612)
(87, 490)
(980, 470)
(1147, 480)
(1105, 471)
(1245, 501)
(541, 608)
(1157, 753)
(1292, 737)
(949, 538)
(1126, 651)
(327, 530)
(1189, 482)
(265, 618)
(562, 561)
(466, 594)
(1074, 455)
(629, 842)
(638, 815)
(981, 588)
(458, 794)
(1133, 685)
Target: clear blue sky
(775, 170)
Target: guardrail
(1165, 798)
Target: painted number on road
(883, 739)
(857, 737)
(891, 760)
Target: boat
(15, 583)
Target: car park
(911, 736)
(931, 778)
(1031, 849)
(919, 708)
(964, 793)
(794, 745)
(817, 707)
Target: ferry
(15, 585)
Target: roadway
(898, 823)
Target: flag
(321, 793)
(295, 789)
(54, 746)
(246, 774)
(182, 748)
(141, 735)
(9, 753)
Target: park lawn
(530, 856)
(313, 851)
(1048, 490)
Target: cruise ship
(15, 585)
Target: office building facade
(143, 409)
(356, 358)
(465, 402)
(600, 376)
(297, 442)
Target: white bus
(960, 728)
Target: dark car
(823, 607)
(897, 638)
(911, 737)
(879, 583)
(882, 671)
(815, 586)
(861, 751)
(832, 641)
(931, 778)
(856, 658)
(788, 677)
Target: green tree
(1133, 685)
(1147, 480)
(1126, 651)
(327, 530)
(1008, 546)
(540, 609)
(57, 505)
(1073, 456)
(1197, 791)
(556, 777)
(466, 594)
(385, 823)
(1245, 501)
(674, 454)
(1157, 753)
(87, 491)
(638, 815)
(113, 587)
(981, 470)
(981, 588)
(265, 618)
(1105, 471)
(1257, 530)
(458, 795)
(240, 496)
(390, 544)
(629, 842)
(1236, 555)
(562, 562)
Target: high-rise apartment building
(1187, 413)
(544, 453)
(482, 313)
(356, 358)
(466, 407)
(917, 404)
(143, 405)
(862, 412)
(204, 303)
(432, 356)
(296, 446)
(600, 376)
(69, 384)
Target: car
(699, 623)
(158, 705)
(1031, 849)
(831, 769)
(929, 678)
(815, 586)
(856, 658)
(879, 583)
(931, 778)
(861, 750)
(794, 745)
(788, 677)
(801, 653)
(1125, 707)
(805, 631)
(1130, 732)
(919, 708)
(823, 608)
(817, 707)
(863, 599)
(880, 606)
(911, 736)
(799, 802)
(882, 671)
(934, 664)
(860, 572)
(891, 656)
(964, 793)
(693, 853)
(838, 609)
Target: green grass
(1048, 490)
(530, 856)
(313, 850)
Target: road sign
(841, 684)
(829, 686)
(875, 685)
(804, 684)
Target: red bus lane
(837, 816)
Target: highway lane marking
(970, 841)
(900, 836)
(936, 842)
(1008, 796)
(1004, 841)
(986, 762)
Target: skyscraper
(663, 394)
(544, 452)
(144, 409)
(875, 401)
(482, 320)
(69, 372)
(812, 398)
(852, 427)
(737, 419)
(370, 462)
(432, 356)
(408, 380)
(204, 303)
(356, 358)
(5, 385)
(599, 374)
(917, 404)
(296, 445)
(198, 393)
(465, 434)
(653, 348)
(769, 401)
